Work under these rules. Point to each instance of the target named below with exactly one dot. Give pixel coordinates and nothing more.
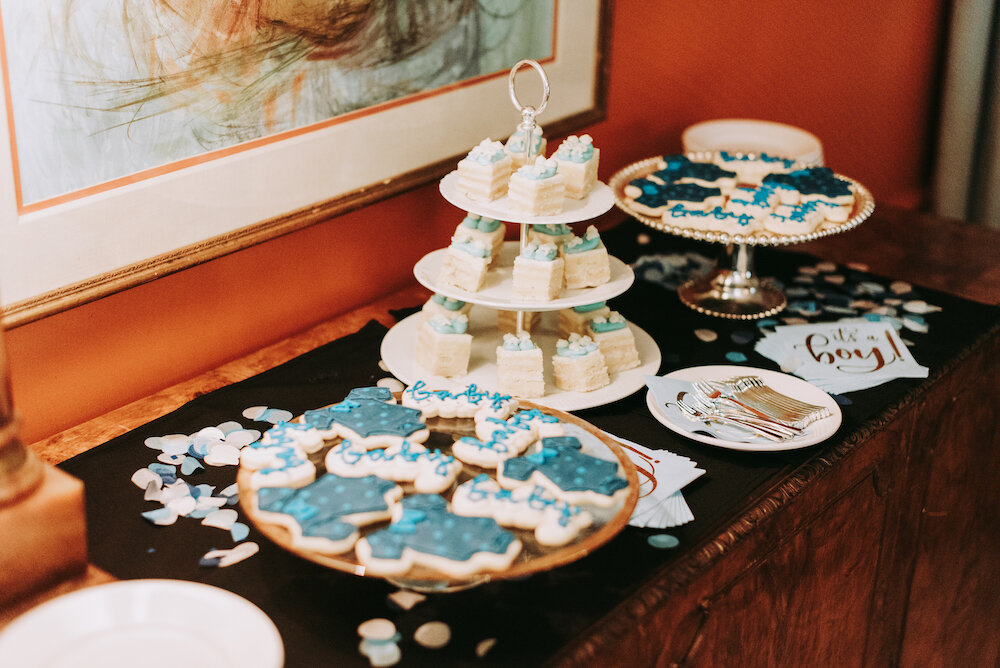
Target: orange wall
(857, 74)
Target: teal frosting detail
(448, 302)
(511, 342)
(589, 242)
(575, 149)
(554, 230)
(472, 248)
(543, 252)
(577, 347)
(442, 325)
(539, 169)
(587, 308)
(481, 223)
(487, 152)
(609, 324)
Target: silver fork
(688, 403)
(711, 394)
(753, 390)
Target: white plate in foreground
(148, 623)
(498, 292)
(600, 201)
(399, 355)
(790, 385)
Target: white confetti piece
(382, 365)
(706, 335)
(143, 477)
(834, 279)
(210, 502)
(175, 444)
(406, 599)
(170, 459)
(826, 266)
(242, 437)
(391, 383)
(254, 412)
(232, 490)
(380, 654)
(221, 519)
(222, 455)
(231, 556)
(858, 266)
(152, 492)
(809, 271)
(484, 646)
(642, 239)
(230, 426)
(433, 635)
(379, 628)
(900, 287)
(154, 442)
(183, 505)
(919, 306)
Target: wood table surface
(946, 255)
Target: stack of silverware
(749, 403)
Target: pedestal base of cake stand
(732, 290)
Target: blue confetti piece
(157, 515)
(167, 472)
(201, 513)
(198, 450)
(209, 563)
(276, 415)
(151, 550)
(190, 465)
(767, 325)
(232, 500)
(736, 356)
(797, 292)
(663, 541)
(202, 490)
(842, 400)
(239, 531)
(743, 336)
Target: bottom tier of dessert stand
(399, 355)
(733, 289)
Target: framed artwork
(146, 136)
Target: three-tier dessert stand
(399, 344)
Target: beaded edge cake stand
(733, 289)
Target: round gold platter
(533, 558)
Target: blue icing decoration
(443, 325)
(319, 507)
(472, 394)
(562, 462)
(577, 348)
(481, 223)
(587, 308)
(426, 526)
(554, 229)
(472, 247)
(680, 192)
(447, 302)
(368, 418)
(487, 152)
(538, 170)
(675, 161)
(607, 324)
(576, 149)
(370, 394)
(811, 181)
(540, 252)
(516, 142)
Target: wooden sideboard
(879, 551)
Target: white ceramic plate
(497, 292)
(399, 355)
(600, 200)
(796, 387)
(148, 623)
(743, 135)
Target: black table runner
(317, 610)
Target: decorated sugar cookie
(555, 522)
(563, 469)
(470, 403)
(324, 515)
(370, 424)
(431, 472)
(424, 533)
(279, 458)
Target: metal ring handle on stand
(527, 126)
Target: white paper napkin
(843, 356)
(662, 474)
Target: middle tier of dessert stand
(733, 289)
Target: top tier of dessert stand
(497, 293)
(733, 289)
